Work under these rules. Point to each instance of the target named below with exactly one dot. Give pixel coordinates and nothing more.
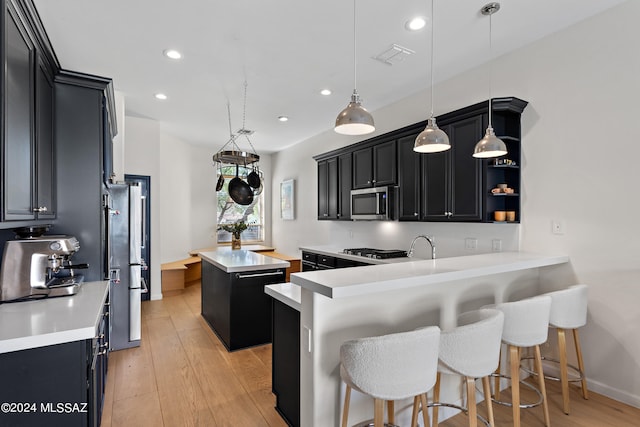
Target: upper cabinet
(452, 179)
(451, 186)
(28, 185)
(375, 166)
(334, 187)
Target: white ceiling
(286, 50)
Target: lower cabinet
(235, 305)
(57, 385)
(285, 372)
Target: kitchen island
(338, 305)
(233, 300)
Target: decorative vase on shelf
(235, 242)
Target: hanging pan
(220, 182)
(240, 191)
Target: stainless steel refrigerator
(124, 231)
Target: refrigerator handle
(106, 202)
(144, 220)
(145, 288)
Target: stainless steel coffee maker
(39, 267)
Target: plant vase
(235, 242)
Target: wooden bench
(177, 275)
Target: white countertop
(32, 324)
(287, 293)
(348, 282)
(241, 260)
(337, 252)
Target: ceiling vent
(394, 54)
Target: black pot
(239, 191)
(253, 179)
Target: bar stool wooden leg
(576, 340)
(471, 402)
(378, 413)
(414, 414)
(496, 381)
(425, 410)
(564, 370)
(436, 399)
(391, 413)
(514, 360)
(543, 390)
(345, 410)
(487, 399)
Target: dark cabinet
(45, 200)
(375, 166)
(452, 180)
(18, 116)
(409, 184)
(285, 361)
(235, 305)
(312, 261)
(63, 384)
(334, 187)
(27, 116)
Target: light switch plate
(557, 227)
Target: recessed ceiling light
(160, 96)
(325, 92)
(283, 118)
(416, 23)
(172, 53)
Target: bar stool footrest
(460, 408)
(522, 405)
(574, 377)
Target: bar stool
(471, 350)
(391, 367)
(569, 312)
(526, 323)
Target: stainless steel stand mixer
(39, 267)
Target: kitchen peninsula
(233, 299)
(338, 305)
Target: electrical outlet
(557, 227)
(471, 243)
(496, 245)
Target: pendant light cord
(354, 48)
(490, 64)
(432, 54)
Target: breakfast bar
(338, 305)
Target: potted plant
(236, 230)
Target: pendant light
(490, 145)
(432, 139)
(355, 119)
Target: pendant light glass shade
(432, 139)
(355, 119)
(490, 145)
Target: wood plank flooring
(182, 375)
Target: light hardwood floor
(182, 375)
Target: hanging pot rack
(231, 153)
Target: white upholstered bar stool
(391, 367)
(569, 312)
(526, 324)
(471, 350)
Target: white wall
(582, 86)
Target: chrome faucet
(422, 236)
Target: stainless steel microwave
(372, 203)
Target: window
(230, 212)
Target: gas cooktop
(376, 253)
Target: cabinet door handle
(415, 214)
(248, 276)
(40, 209)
